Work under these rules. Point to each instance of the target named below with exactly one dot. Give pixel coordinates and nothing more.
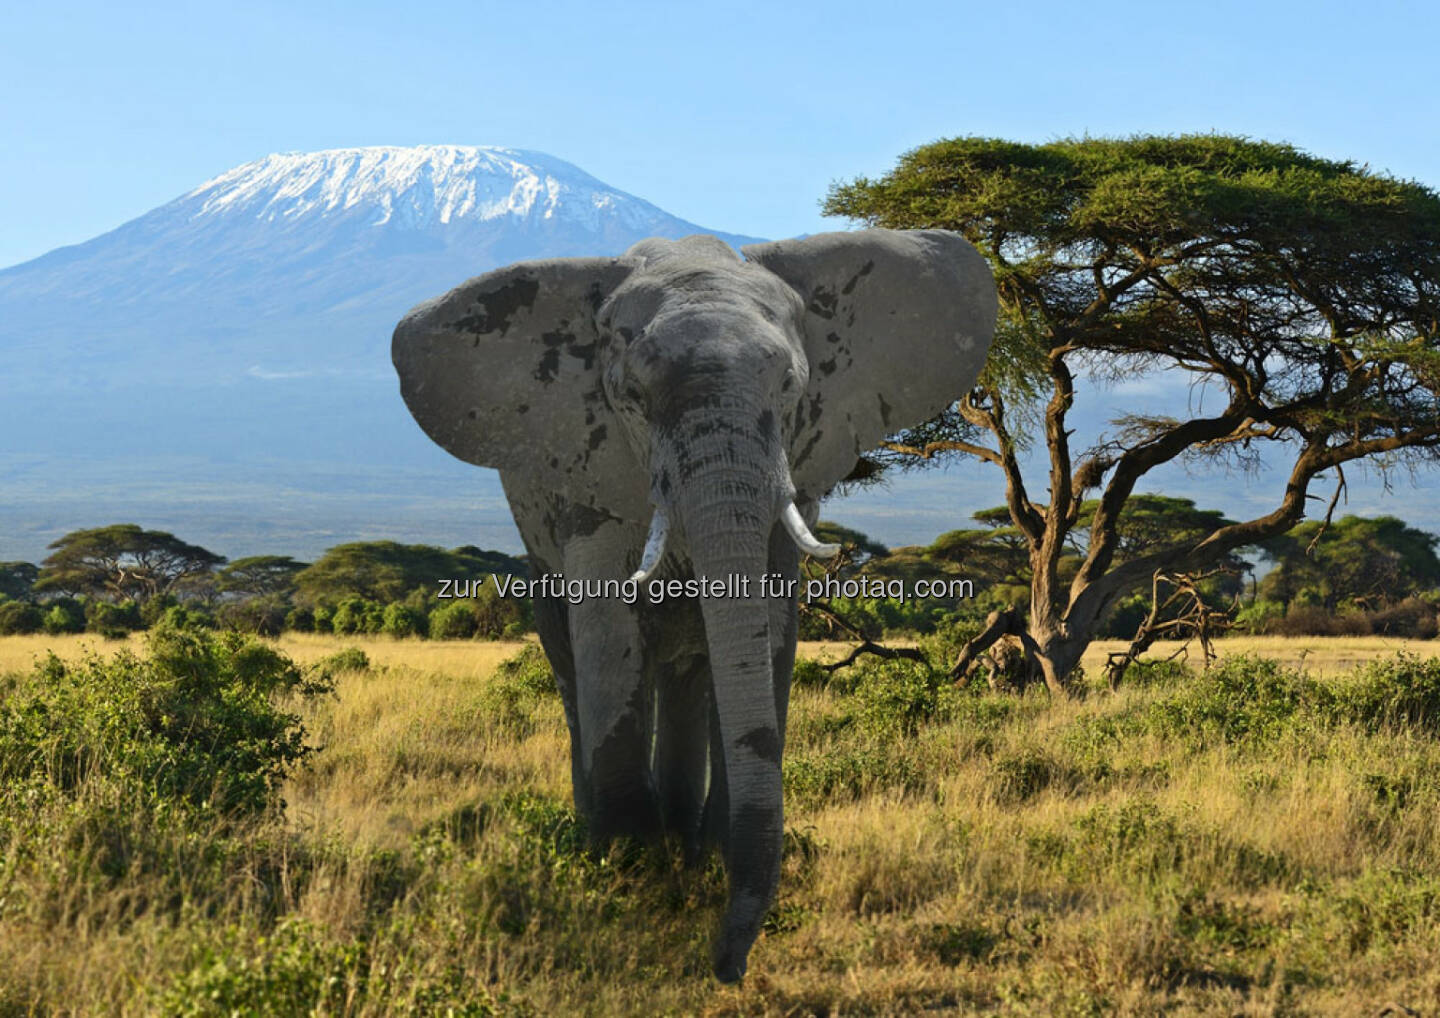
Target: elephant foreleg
(553, 624)
(613, 703)
(682, 741)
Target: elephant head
(694, 407)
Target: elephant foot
(693, 850)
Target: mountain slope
(300, 262)
(220, 366)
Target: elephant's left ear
(897, 324)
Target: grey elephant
(677, 413)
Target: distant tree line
(1353, 576)
(120, 578)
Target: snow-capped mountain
(220, 366)
(301, 262)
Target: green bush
(153, 609)
(194, 721)
(300, 620)
(19, 617)
(453, 621)
(400, 619)
(809, 674)
(898, 696)
(1400, 691)
(347, 659)
(522, 684)
(178, 616)
(65, 615)
(356, 615)
(102, 616)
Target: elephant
(675, 413)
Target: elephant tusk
(801, 533)
(654, 546)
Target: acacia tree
(1304, 291)
(259, 576)
(1370, 563)
(122, 561)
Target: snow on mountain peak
(415, 186)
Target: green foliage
(809, 674)
(453, 621)
(193, 721)
(122, 561)
(102, 616)
(259, 575)
(65, 615)
(17, 579)
(400, 620)
(356, 615)
(384, 571)
(523, 686)
(486, 615)
(897, 697)
(179, 616)
(298, 969)
(1402, 691)
(263, 615)
(17, 617)
(1355, 562)
(348, 659)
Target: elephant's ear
(896, 327)
(503, 371)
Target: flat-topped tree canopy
(1304, 291)
(121, 561)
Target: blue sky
(733, 115)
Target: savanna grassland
(1257, 839)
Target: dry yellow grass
(1013, 856)
(1322, 655)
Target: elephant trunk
(731, 486)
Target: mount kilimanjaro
(220, 366)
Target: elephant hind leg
(682, 742)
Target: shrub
(497, 617)
(323, 620)
(194, 721)
(101, 616)
(1260, 616)
(19, 617)
(519, 688)
(356, 615)
(1399, 691)
(300, 620)
(400, 619)
(453, 621)
(66, 615)
(152, 610)
(809, 674)
(177, 616)
(347, 659)
(898, 696)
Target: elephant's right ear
(502, 372)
